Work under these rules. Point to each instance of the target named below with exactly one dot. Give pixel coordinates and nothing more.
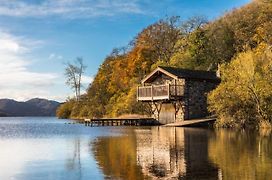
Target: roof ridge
(178, 68)
(176, 72)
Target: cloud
(52, 56)
(86, 80)
(55, 56)
(17, 81)
(69, 8)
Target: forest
(238, 44)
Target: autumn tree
(244, 97)
(192, 44)
(161, 37)
(193, 51)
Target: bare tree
(73, 73)
(193, 23)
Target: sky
(37, 37)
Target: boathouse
(175, 94)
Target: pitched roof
(176, 73)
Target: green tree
(192, 44)
(244, 97)
(65, 110)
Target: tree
(73, 73)
(244, 97)
(161, 37)
(193, 50)
(191, 44)
(192, 24)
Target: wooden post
(152, 92)
(175, 88)
(137, 93)
(168, 91)
(175, 106)
(187, 101)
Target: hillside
(33, 107)
(192, 44)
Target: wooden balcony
(160, 92)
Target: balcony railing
(159, 92)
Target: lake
(47, 148)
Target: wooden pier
(121, 122)
(193, 122)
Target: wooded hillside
(192, 44)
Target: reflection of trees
(74, 163)
(116, 156)
(198, 165)
(159, 153)
(185, 153)
(242, 155)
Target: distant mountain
(32, 107)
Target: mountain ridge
(32, 107)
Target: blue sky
(38, 36)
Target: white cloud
(55, 56)
(17, 81)
(52, 56)
(9, 44)
(86, 80)
(69, 8)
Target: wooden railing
(159, 92)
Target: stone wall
(192, 106)
(196, 100)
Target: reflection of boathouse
(177, 94)
(160, 152)
(171, 153)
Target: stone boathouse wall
(192, 106)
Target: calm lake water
(47, 148)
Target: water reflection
(243, 154)
(156, 153)
(160, 152)
(44, 148)
(175, 153)
(117, 156)
(51, 149)
(74, 160)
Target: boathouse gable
(177, 94)
(158, 79)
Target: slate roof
(183, 73)
(193, 74)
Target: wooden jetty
(194, 122)
(120, 122)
